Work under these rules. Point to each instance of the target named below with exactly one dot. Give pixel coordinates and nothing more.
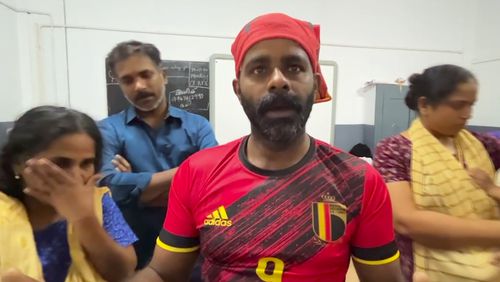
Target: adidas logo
(218, 218)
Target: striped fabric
(329, 220)
(441, 183)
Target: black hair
(361, 150)
(436, 84)
(33, 132)
(126, 49)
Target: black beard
(279, 131)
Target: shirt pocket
(178, 153)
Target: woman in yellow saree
(447, 224)
(55, 224)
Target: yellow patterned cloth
(440, 183)
(18, 247)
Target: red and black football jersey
(298, 224)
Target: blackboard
(188, 88)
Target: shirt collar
(174, 112)
(131, 114)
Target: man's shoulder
(347, 168)
(210, 158)
(338, 157)
(114, 119)
(186, 116)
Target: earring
(17, 176)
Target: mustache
(279, 100)
(144, 94)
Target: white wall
(486, 63)
(32, 56)
(9, 67)
(357, 66)
(370, 40)
(397, 24)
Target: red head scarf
(273, 26)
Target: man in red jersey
(276, 205)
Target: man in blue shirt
(144, 144)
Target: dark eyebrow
(462, 101)
(61, 162)
(121, 78)
(89, 160)
(60, 159)
(296, 59)
(262, 59)
(142, 72)
(147, 71)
